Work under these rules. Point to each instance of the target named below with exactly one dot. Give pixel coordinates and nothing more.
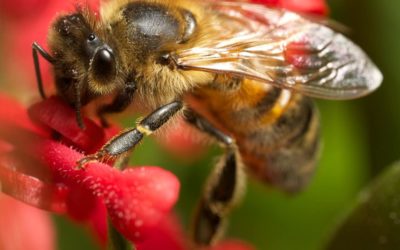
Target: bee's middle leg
(223, 189)
(120, 102)
(129, 138)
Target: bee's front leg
(36, 51)
(223, 189)
(129, 138)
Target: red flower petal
(32, 191)
(14, 113)
(136, 199)
(21, 174)
(145, 196)
(167, 235)
(232, 245)
(57, 115)
(81, 203)
(5, 147)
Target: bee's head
(84, 59)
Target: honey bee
(242, 73)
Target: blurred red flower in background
(26, 21)
(317, 7)
(24, 227)
(37, 165)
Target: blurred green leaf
(71, 235)
(374, 221)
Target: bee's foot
(89, 158)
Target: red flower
(318, 7)
(42, 171)
(183, 141)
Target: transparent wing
(284, 49)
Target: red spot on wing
(302, 56)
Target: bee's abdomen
(284, 151)
(277, 132)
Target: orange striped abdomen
(277, 132)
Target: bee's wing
(283, 49)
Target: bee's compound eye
(103, 64)
(191, 25)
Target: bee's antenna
(36, 48)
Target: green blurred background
(360, 138)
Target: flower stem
(116, 240)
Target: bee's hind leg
(223, 189)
